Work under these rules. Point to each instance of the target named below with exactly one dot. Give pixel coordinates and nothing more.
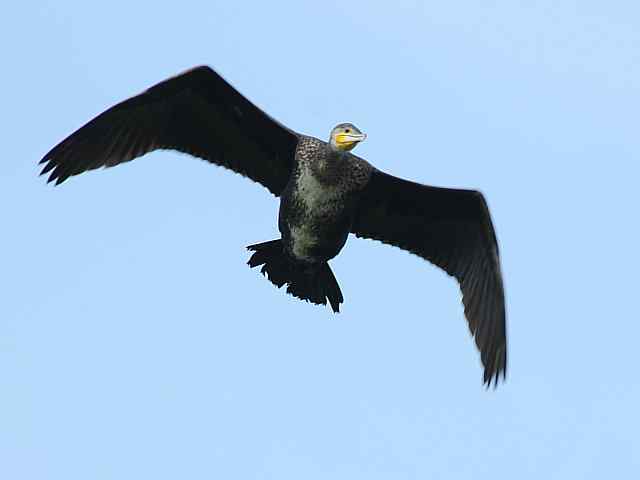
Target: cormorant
(325, 193)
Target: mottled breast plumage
(343, 170)
(317, 205)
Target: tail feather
(313, 283)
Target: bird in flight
(325, 191)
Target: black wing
(453, 230)
(196, 112)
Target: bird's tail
(313, 283)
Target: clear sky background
(135, 342)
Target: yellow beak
(346, 141)
(350, 137)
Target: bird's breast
(317, 197)
(314, 218)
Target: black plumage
(198, 113)
(326, 193)
(452, 229)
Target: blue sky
(136, 343)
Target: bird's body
(318, 203)
(325, 193)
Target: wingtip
(47, 167)
(491, 380)
(492, 376)
(54, 178)
(335, 306)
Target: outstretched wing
(196, 112)
(452, 229)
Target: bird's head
(345, 137)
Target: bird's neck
(328, 167)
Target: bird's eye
(346, 130)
